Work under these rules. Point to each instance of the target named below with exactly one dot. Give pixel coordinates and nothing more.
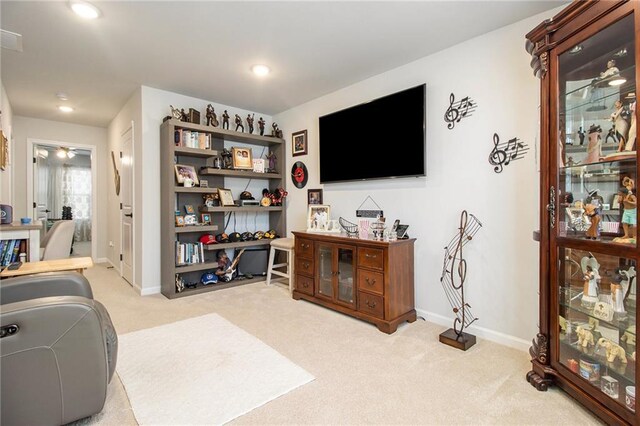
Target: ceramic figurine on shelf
(591, 277)
(272, 161)
(275, 131)
(183, 116)
(225, 120)
(620, 123)
(250, 119)
(175, 113)
(581, 134)
(585, 337)
(629, 336)
(594, 151)
(227, 158)
(631, 140)
(261, 124)
(611, 134)
(593, 213)
(212, 118)
(610, 71)
(613, 351)
(239, 125)
(617, 297)
(629, 203)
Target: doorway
(63, 188)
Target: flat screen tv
(383, 138)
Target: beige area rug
(202, 370)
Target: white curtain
(71, 186)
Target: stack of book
(10, 251)
(192, 139)
(189, 253)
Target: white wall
(502, 279)
(6, 176)
(33, 128)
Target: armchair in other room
(57, 242)
(58, 349)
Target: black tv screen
(383, 138)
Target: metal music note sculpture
(503, 154)
(458, 110)
(455, 270)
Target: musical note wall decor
(504, 153)
(458, 110)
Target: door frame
(133, 203)
(31, 142)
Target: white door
(126, 198)
(40, 184)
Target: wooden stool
(283, 244)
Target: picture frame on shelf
(242, 158)
(204, 183)
(190, 220)
(258, 165)
(318, 216)
(186, 173)
(299, 144)
(205, 218)
(188, 208)
(226, 197)
(314, 196)
(615, 202)
(179, 220)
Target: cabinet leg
(387, 328)
(538, 382)
(295, 295)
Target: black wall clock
(299, 174)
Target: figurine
(226, 158)
(617, 297)
(610, 71)
(629, 203)
(581, 134)
(593, 148)
(212, 119)
(629, 336)
(612, 134)
(239, 125)
(620, 123)
(631, 140)
(225, 120)
(272, 161)
(275, 131)
(224, 266)
(183, 116)
(250, 119)
(613, 351)
(585, 337)
(591, 277)
(175, 112)
(261, 124)
(210, 200)
(593, 212)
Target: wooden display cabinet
(586, 58)
(369, 280)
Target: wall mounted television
(383, 138)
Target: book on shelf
(192, 139)
(189, 253)
(10, 251)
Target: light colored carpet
(362, 376)
(202, 370)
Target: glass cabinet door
(597, 321)
(597, 137)
(346, 272)
(325, 271)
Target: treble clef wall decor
(458, 110)
(454, 273)
(503, 154)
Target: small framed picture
(314, 196)
(204, 183)
(299, 143)
(205, 218)
(179, 220)
(188, 208)
(615, 202)
(190, 219)
(242, 158)
(226, 198)
(258, 165)
(185, 174)
(318, 216)
(401, 231)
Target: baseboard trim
(101, 260)
(484, 333)
(149, 291)
(114, 266)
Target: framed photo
(299, 143)
(258, 165)
(186, 172)
(204, 183)
(4, 151)
(242, 158)
(188, 208)
(226, 198)
(318, 216)
(401, 230)
(615, 203)
(179, 220)
(205, 218)
(314, 196)
(190, 219)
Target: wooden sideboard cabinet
(369, 280)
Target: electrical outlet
(110, 243)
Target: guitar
(116, 174)
(229, 273)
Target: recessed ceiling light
(617, 82)
(260, 70)
(84, 10)
(65, 108)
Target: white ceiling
(205, 49)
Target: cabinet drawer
(371, 258)
(370, 281)
(371, 304)
(304, 266)
(304, 248)
(304, 284)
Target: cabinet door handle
(305, 284)
(370, 282)
(371, 256)
(305, 265)
(371, 304)
(304, 246)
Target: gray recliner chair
(58, 349)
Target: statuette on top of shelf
(272, 161)
(183, 116)
(581, 135)
(227, 159)
(607, 75)
(275, 131)
(175, 113)
(225, 120)
(593, 213)
(619, 117)
(585, 337)
(614, 352)
(590, 269)
(212, 118)
(239, 125)
(629, 203)
(594, 148)
(250, 119)
(631, 139)
(261, 124)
